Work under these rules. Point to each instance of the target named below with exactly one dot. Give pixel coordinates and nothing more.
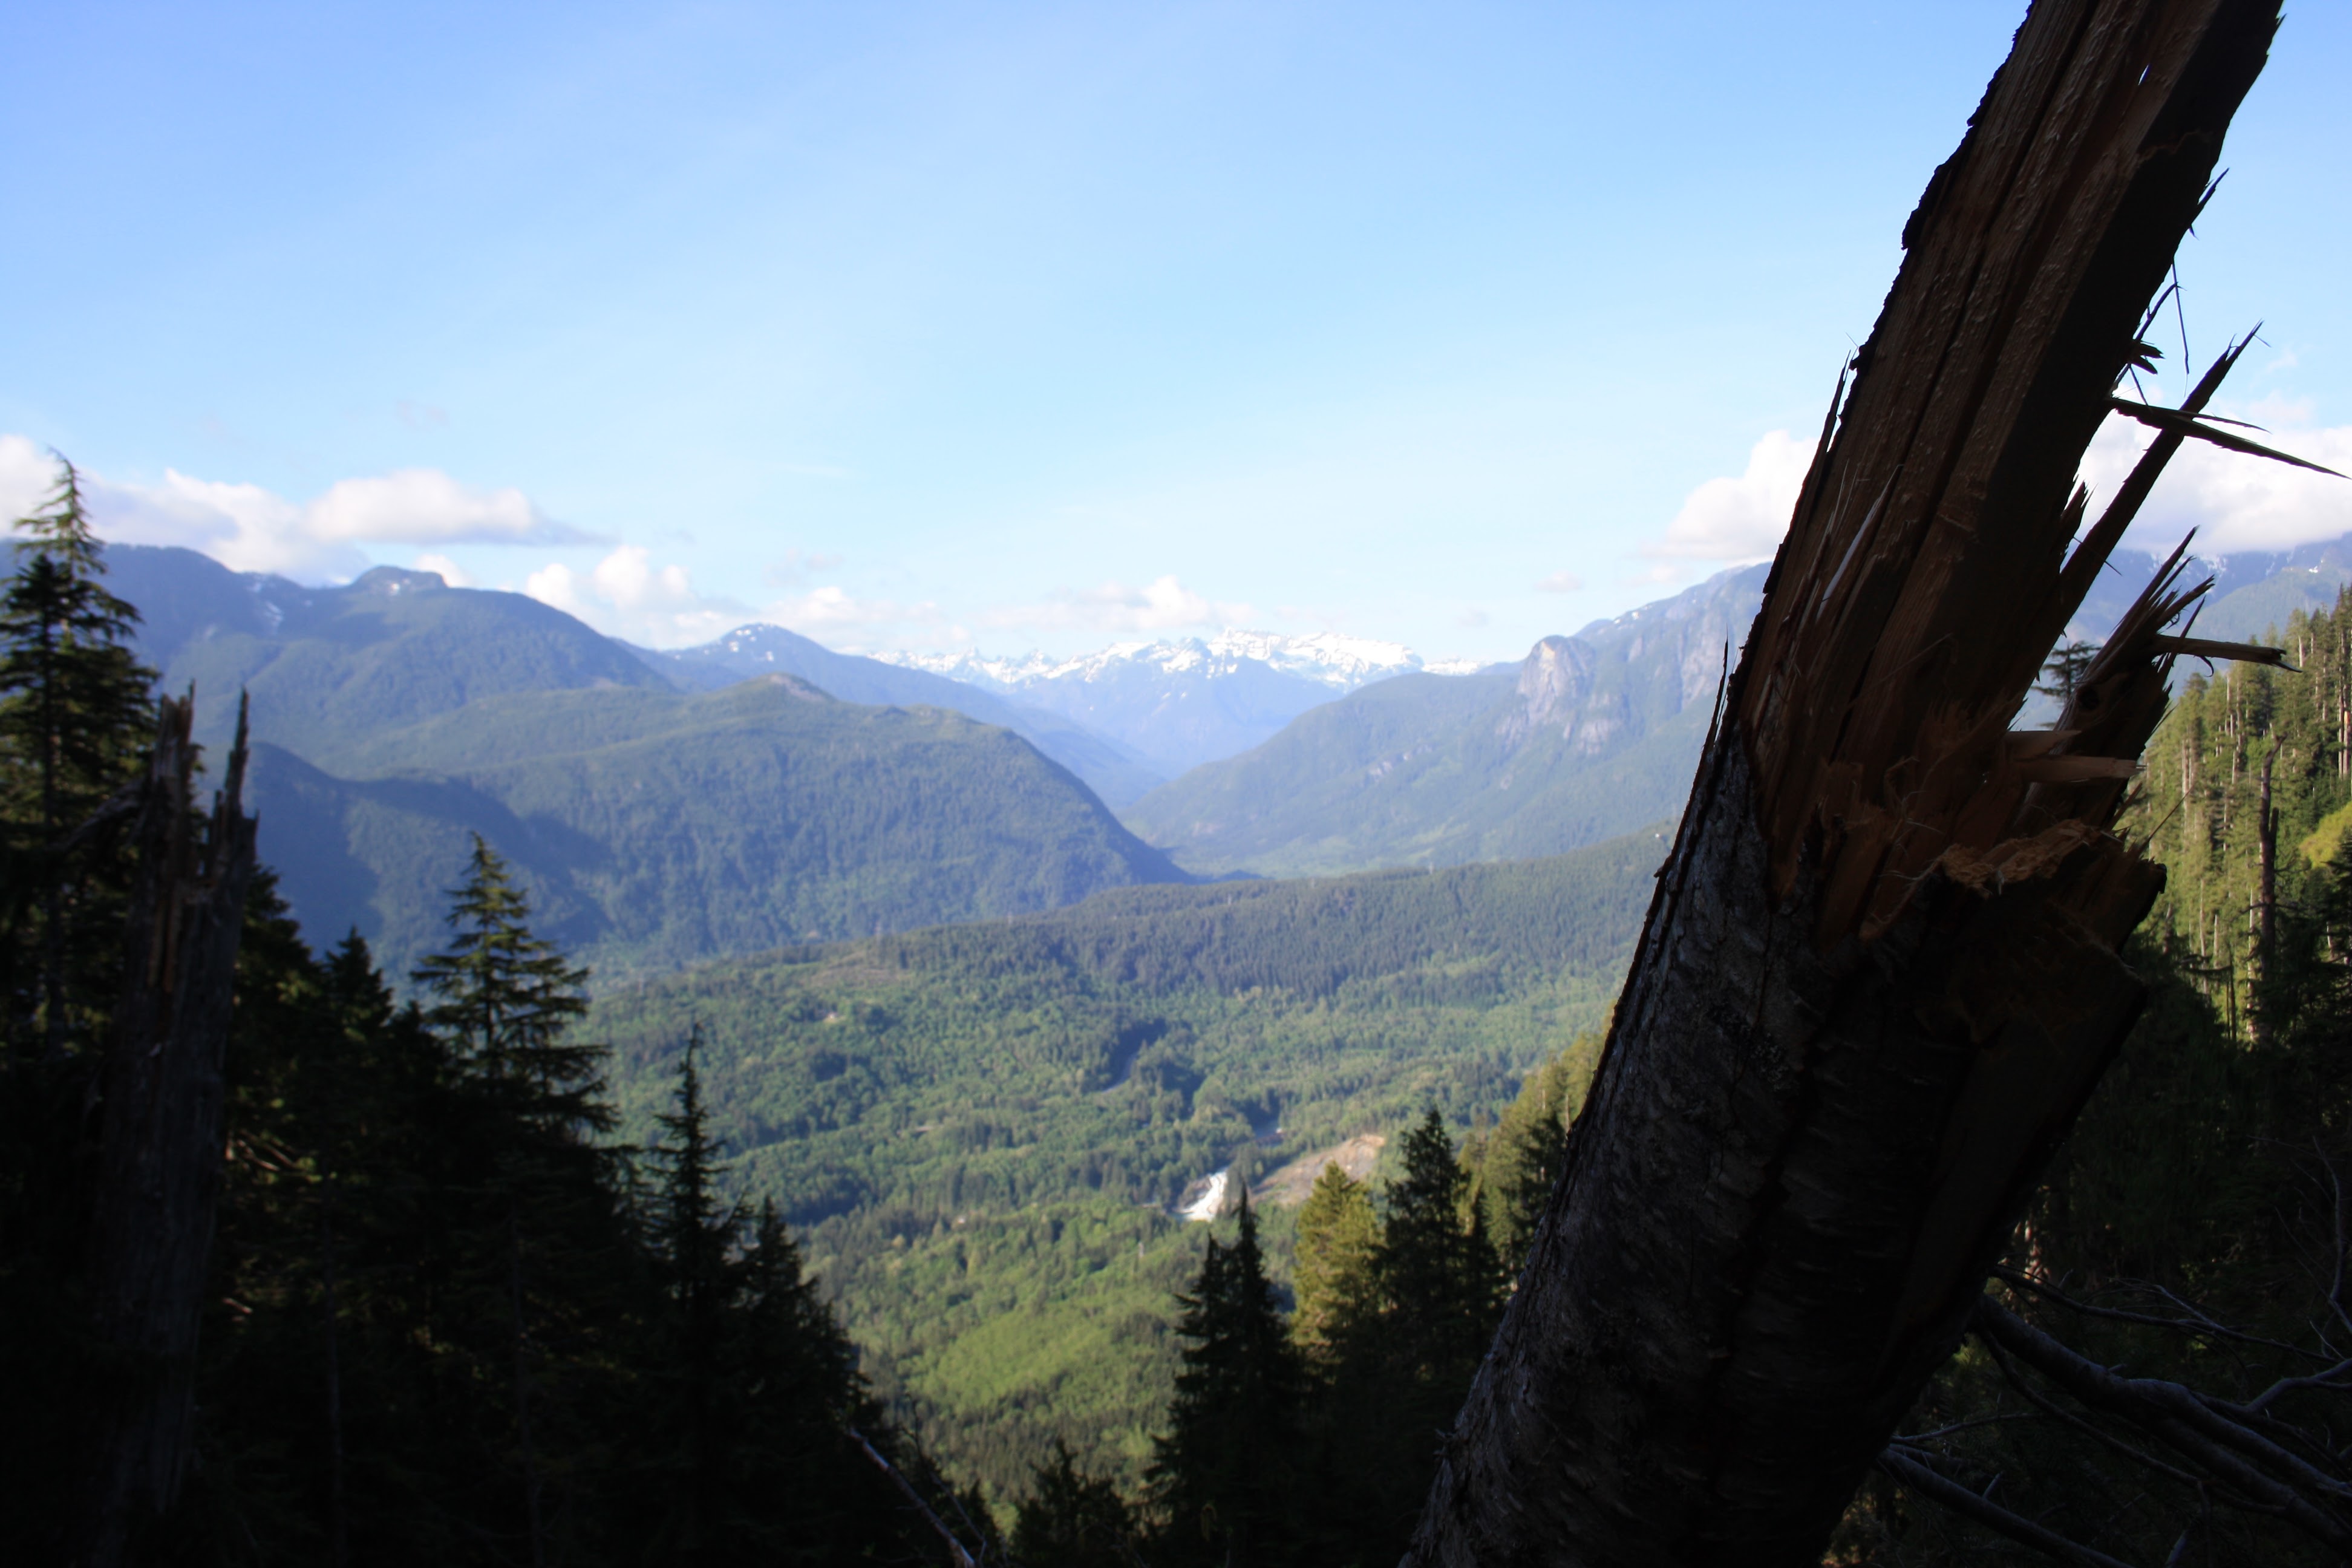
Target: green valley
(982, 1128)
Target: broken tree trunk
(159, 1158)
(1880, 976)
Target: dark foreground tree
(75, 720)
(1071, 1519)
(1223, 1474)
(1882, 970)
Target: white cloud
(426, 506)
(25, 474)
(1561, 582)
(1164, 604)
(2233, 500)
(448, 570)
(1740, 519)
(250, 529)
(626, 595)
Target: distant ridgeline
(1587, 737)
(656, 827)
(984, 1126)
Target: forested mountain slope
(396, 716)
(985, 1125)
(1589, 737)
(1117, 772)
(330, 667)
(657, 830)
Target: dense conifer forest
(984, 1129)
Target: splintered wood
(1882, 972)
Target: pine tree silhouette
(1223, 1474)
(507, 998)
(75, 717)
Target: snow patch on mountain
(1333, 659)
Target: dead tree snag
(157, 1174)
(1881, 974)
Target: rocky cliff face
(1592, 735)
(1617, 680)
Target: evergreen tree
(1405, 1336)
(1072, 1519)
(1334, 1277)
(74, 716)
(507, 998)
(536, 1261)
(2062, 672)
(1529, 1149)
(1222, 1475)
(1439, 1273)
(694, 1236)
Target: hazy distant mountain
(397, 716)
(1587, 737)
(1115, 771)
(1181, 703)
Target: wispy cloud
(1561, 582)
(796, 569)
(833, 614)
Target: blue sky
(932, 325)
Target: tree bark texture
(160, 1135)
(1880, 976)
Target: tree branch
(1911, 1473)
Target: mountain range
(396, 716)
(672, 806)
(1190, 701)
(1586, 737)
(1115, 771)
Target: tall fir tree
(76, 714)
(1395, 1375)
(1223, 1475)
(695, 1236)
(1441, 1278)
(507, 999)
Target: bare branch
(2197, 1321)
(1911, 1473)
(956, 1549)
(2177, 1417)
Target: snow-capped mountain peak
(1334, 660)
